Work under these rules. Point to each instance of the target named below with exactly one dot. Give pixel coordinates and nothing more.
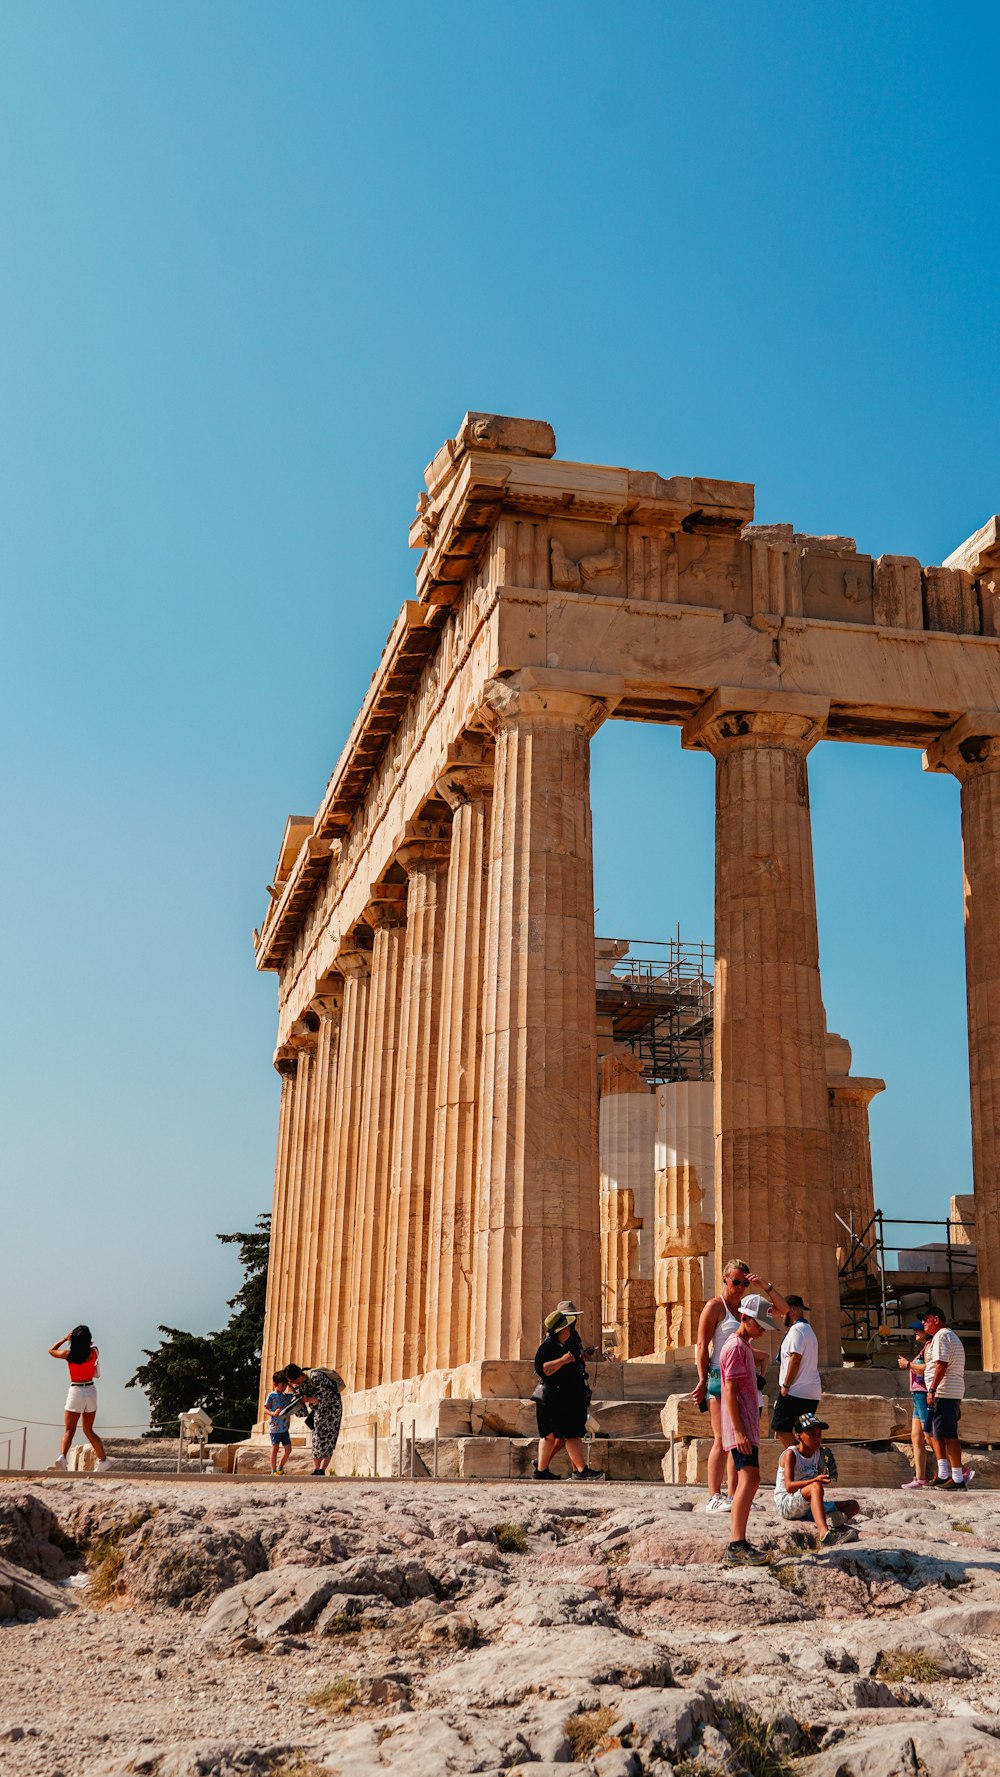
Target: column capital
(733, 716)
(352, 960)
(853, 1089)
(327, 1002)
(387, 906)
(557, 700)
(425, 844)
(468, 774)
(970, 746)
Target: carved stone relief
(587, 558)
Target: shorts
(943, 1417)
(796, 1505)
(751, 1460)
(82, 1398)
(787, 1409)
(282, 1437)
(714, 1386)
(920, 1408)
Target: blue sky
(257, 263)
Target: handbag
(538, 1394)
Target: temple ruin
(455, 1096)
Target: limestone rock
(175, 1560)
(280, 1601)
(554, 1665)
(661, 1723)
(30, 1535)
(917, 1748)
(24, 1594)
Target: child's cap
(809, 1422)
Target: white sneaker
(719, 1502)
(60, 1462)
(102, 1467)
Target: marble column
(627, 1146)
(424, 857)
(851, 1149)
(685, 1210)
(336, 1257)
(318, 1212)
(773, 1167)
(387, 916)
(538, 1221)
(971, 752)
(467, 786)
(303, 1041)
(287, 1067)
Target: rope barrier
(237, 1431)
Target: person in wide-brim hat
(562, 1398)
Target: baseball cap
(809, 1422)
(758, 1308)
(797, 1302)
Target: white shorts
(793, 1505)
(82, 1398)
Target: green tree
(217, 1371)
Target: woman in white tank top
(719, 1321)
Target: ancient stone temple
(438, 1184)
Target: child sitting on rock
(276, 1412)
(801, 1483)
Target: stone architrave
(774, 1185)
(424, 857)
(971, 752)
(851, 1152)
(467, 787)
(386, 914)
(538, 1225)
(335, 1349)
(287, 1068)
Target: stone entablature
(551, 596)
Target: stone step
(852, 1418)
(858, 1466)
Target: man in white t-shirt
(944, 1374)
(799, 1385)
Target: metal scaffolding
(658, 997)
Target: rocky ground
(296, 1629)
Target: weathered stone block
(497, 1418)
(626, 1419)
(484, 1459)
(857, 1465)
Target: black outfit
(562, 1412)
(787, 1409)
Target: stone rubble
(236, 1630)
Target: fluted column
(303, 1042)
(287, 1068)
(971, 752)
(773, 1168)
(318, 1207)
(538, 1222)
(467, 786)
(387, 915)
(850, 1141)
(334, 1346)
(424, 857)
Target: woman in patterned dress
(318, 1392)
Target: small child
(801, 1480)
(276, 1410)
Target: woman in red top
(80, 1353)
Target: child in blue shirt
(276, 1411)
